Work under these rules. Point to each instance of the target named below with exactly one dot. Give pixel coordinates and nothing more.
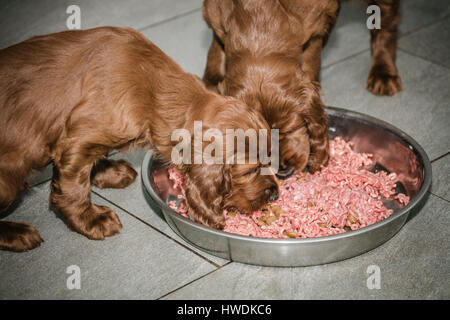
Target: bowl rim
(417, 149)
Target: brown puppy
(73, 96)
(255, 56)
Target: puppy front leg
(215, 65)
(311, 58)
(383, 76)
(70, 193)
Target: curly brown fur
(72, 97)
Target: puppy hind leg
(70, 192)
(112, 174)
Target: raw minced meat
(343, 196)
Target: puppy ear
(316, 121)
(206, 187)
(216, 13)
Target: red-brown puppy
(71, 97)
(255, 56)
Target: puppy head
(211, 186)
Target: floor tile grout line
(423, 27)
(439, 197)
(324, 67)
(344, 59)
(190, 282)
(157, 230)
(398, 47)
(146, 223)
(41, 183)
(423, 58)
(181, 15)
(440, 157)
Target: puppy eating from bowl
(69, 98)
(255, 56)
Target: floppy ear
(216, 13)
(206, 187)
(316, 121)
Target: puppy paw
(113, 174)
(97, 222)
(18, 236)
(383, 84)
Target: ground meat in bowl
(345, 195)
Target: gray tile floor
(148, 261)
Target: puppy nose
(274, 195)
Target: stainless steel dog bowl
(394, 151)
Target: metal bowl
(394, 151)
